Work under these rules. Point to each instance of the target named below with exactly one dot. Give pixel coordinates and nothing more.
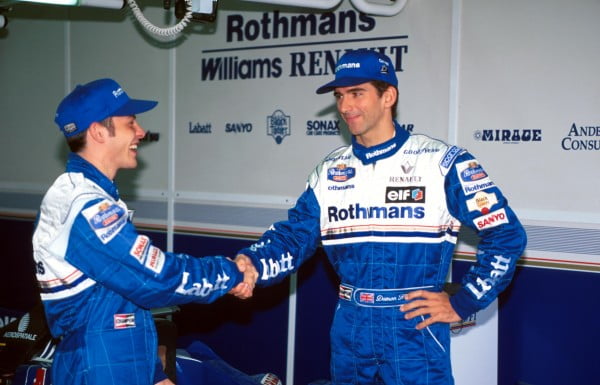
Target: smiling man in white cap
(97, 275)
(387, 211)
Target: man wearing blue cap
(97, 275)
(387, 210)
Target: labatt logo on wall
(286, 34)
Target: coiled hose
(162, 31)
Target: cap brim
(342, 82)
(134, 107)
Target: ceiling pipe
(379, 9)
(364, 6)
(318, 4)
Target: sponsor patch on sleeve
(482, 201)
(139, 248)
(473, 177)
(155, 260)
(493, 219)
(106, 218)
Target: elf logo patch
(409, 194)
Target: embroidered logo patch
(124, 321)
(106, 218)
(138, 250)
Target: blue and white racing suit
(388, 218)
(98, 278)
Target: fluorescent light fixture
(112, 4)
(70, 3)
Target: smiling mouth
(349, 116)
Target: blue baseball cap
(94, 102)
(361, 66)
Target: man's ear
(97, 132)
(390, 95)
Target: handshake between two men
(245, 288)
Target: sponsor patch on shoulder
(473, 177)
(106, 218)
(449, 157)
(493, 219)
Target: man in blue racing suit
(387, 211)
(97, 275)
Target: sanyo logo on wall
(229, 128)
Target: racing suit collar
(76, 163)
(368, 155)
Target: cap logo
(384, 66)
(118, 92)
(68, 128)
(344, 66)
(361, 66)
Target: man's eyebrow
(353, 89)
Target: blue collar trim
(76, 163)
(368, 155)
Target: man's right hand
(245, 289)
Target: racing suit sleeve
(105, 245)
(159, 374)
(478, 203)
(287, 244)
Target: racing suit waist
(376, 297)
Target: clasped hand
(245, 288)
